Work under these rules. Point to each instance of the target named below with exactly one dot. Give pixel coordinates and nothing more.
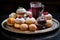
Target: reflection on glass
(37, 8)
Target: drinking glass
(37, 9)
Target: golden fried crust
(32, 27)
(30, 21)
(11, 21)
(49, 23)
(23, 27)
(9, 24)
(17, 25)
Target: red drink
(36, 8)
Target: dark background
(8, 6)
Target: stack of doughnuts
(23, 20)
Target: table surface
(53, 35)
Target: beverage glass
(37, 8)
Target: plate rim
(38, 31)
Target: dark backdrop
(8, 6)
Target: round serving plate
(11, 29)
